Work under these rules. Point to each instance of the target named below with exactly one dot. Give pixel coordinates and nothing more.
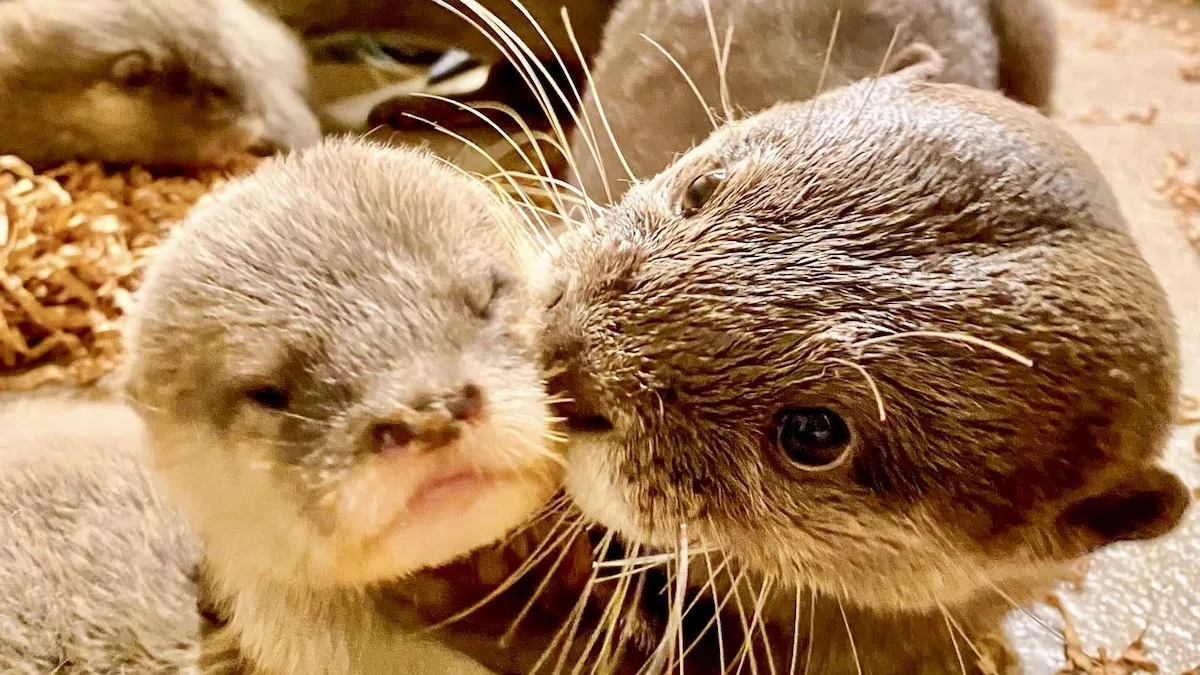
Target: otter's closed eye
(132, 70)
(812, 438)
(699, 191)
(269, 397)
(484, 296)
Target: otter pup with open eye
(334, 361)
(893, 349)
(172, 82)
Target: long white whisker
(956, 337)
(887, 56)
(523, 60)
(582, 119)
(475, 146)
(850, 634)
(954, 641)
(543, 551)
(870, 383)
(712, 119)
(950, 619)
(599, 109)
(512, 629)
(795, 634)
(573, 619)
(837, 22)
(812, 626)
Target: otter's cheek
(590, 483)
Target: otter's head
(893, 344)
(334, 360)
(159, 83)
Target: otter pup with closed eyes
(334, 360)
(156, 82)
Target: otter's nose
(466, 405)
(576, 400)
(430, 423)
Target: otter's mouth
(581, 419)
(576, 404)
(590, 424)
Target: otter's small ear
(1141, 506)
(132, 69)
(917, 61)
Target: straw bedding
(74, 241)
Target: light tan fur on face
(366, 282)
(183, 82)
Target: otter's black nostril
(467, 405)
(392, 436)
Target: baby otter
(334, 359)
(893, 349)
(99, 571)
(176, 82)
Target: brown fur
(777, 55)
(99, 571)
(887, 207)
(182, 82)
(370, 285)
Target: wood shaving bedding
(1132, 659)
(74, 242)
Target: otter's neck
(281, 628)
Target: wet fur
(99, 571)
(352, 275)
(60, 98)
(909, 206)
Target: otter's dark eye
(558, 296)
(272, 398)
(813, 438)
(700, 190)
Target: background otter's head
(333, 357)
(159, 82)
(896, 344)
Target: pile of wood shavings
(74, 242)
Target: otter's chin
(591, 485)
(449, 520)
